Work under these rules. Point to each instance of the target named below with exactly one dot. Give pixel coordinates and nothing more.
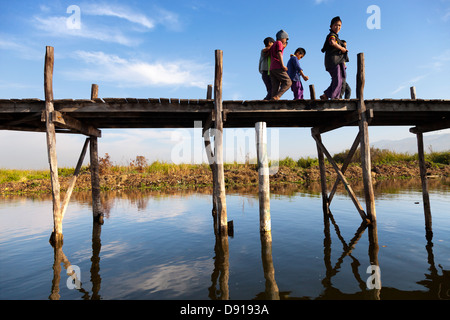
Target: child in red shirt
(281, 82)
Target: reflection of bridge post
(95, 266)
(373, 256)
(373, 294)
(272, 292)
(221, 269)
(58, 258)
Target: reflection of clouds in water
(108, 250)
(172, 279)
(194, 208)
(27, 222)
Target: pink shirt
(276, 47)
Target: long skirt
(338, 74)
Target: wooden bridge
(89, 116)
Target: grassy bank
(141, 166)
(158, 175)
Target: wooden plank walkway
(108, 113)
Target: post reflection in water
(60, 257)
(436, 280)
(330, 292)
(272, 292)
(221, 269)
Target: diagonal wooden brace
(342, 177)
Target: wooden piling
(57, 235)
(95, 170)
(263, 174)
(365, 145)
(218, 142)
(94, 91)
(423, 177)
(74, 179)
(341, 176)
(323, 177)
(312, 92)
(210, 155)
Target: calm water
(162, 246)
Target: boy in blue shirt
(295, 72)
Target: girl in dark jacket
(335, 57)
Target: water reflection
(435, 282)
(272, 292)
(219, 278)
(333, 293)
(60, 258)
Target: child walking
(295, 72)
(264, 66)
(278, 71)
(346, 91)
(334, 60)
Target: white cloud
(56, 26)
(19, 47)
(441, 61)
(91, 27)
(135, 73)
(119, 12)
(410, 83)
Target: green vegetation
(383, 156)
(141, 166)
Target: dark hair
(268, 40)
(334, 20)
(301, 51)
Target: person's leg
(334, 90)
(295, 89)
(268, 83)
(348, 91)
(285, 82)
(300, 91)
(275, 82)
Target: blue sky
(165, 49)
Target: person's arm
(334, 43)
(280, 56)
(306, 78)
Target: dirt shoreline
(201, 177)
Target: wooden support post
(263, 174)
(312, 92)
(323, 176)
(95, 172)
(413, 93)
(95, 180)
(57, 235)
(341, 176)
(365, 146)
(218, 142)
(423, 178)
(210, 154)
(94, 91)
(73, 180)
(345, 165)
